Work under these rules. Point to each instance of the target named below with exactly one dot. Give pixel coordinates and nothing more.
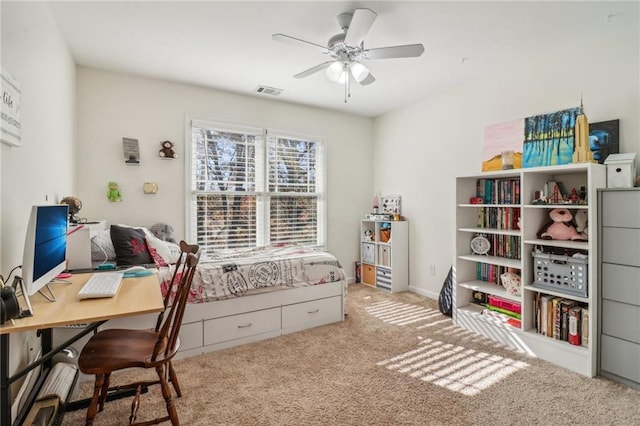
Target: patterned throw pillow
(130, 246)
(169, 252)
(101, 246)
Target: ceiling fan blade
(288, 39)
(368, 80)
(313, 70)
(406, 51)
(359, 26)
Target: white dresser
(619, 289)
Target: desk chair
(185, 249)
(118, 349)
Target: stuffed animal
(560, 227)
(167, 150)
(582, 225)
(113, 194)
(368, 235)
(163, 232)
(511, 282)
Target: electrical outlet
(432, 269)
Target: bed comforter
(234, 273)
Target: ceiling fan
(347, 50)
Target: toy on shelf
(560, 227)
(167, 150)
(511, 282)
(582, 224)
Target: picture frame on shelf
(390, 204)
(131, 151)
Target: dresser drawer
(239, 326)
(621, 283)
(621, 246)
(621, 208)
(621, 320)
(620, 357)
(312, 313)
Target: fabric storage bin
(368, 253)
(383, 278)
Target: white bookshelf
(519, 259)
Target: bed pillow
(130, 246)
(169, 252)
(101, 246)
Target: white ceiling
(228, 45)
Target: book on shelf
(574, 325)
(544, 312)
(499, 191)
(566, 306)
(584, 325)
(549, 316)
(561, 319)
(556, 306)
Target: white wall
(444, 134)
(41, 170)
(112, 106)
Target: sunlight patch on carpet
(453, 367)
(405, 314)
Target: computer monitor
(45, 246)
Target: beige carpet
(395, 360)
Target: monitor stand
(18, 283)
(51, 297)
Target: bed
(241, 296)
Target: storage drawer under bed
(242, 325)
(311, 314)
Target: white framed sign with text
(10, 120)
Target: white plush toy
(582, 223)
(368, 235)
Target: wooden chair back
(185, 249)
(169, 327)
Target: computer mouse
(135, 269)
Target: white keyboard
(101, 284)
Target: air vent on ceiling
(266, 90)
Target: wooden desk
(136, 296)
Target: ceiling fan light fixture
(359, 71)
(335, 72)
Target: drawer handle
(315, 311)
(245, 325)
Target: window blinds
(252, 187)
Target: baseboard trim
(423, 292)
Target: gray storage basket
(564, 274)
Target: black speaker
(9, 306)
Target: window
(253, 187)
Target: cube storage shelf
(385, 254)
(510, 218)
